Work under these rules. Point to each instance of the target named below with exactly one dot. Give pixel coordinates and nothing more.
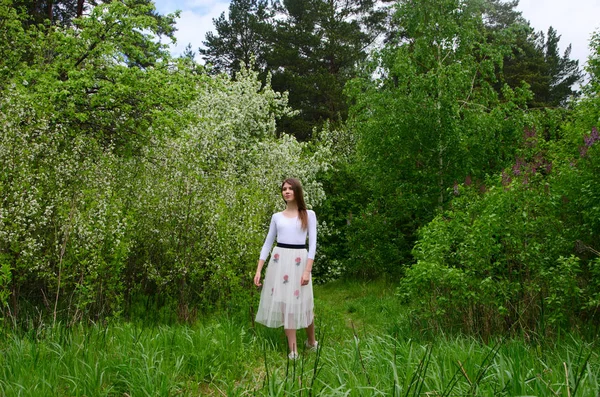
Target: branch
(94, 45)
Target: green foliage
(107, 77)
(241, 38)
(558, 73)
(520, 255)
(534, 59)
(206, 198)
(60, 12)
(593, 66)
(338, 216)
(311, 48)
(517, 256)
(126, 174)
(74, 101)
(13, 34)
(430, 119)
(61, 223)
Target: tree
(311, 48)
(534, 57)
(561, 73)
(107, 77)
(240, 38)
(526, 248)
(56, 12)
(79, 104)
(317, 47)
(429, 120)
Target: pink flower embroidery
(276, 258)
(285, 279)
(298, 260)
(297, 294)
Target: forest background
(445, 145)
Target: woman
(287, 296)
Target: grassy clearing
(366, 349)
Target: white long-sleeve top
(289, 231)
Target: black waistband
(292, 246)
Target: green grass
(366, 349)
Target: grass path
(366, 349)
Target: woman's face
(287, 192)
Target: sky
(574, 20)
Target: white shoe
(311, 348)
(293, 356)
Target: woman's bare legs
(310, 334)
(291, 337)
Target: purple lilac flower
(517, 167)
(529, 137)
(529, 133)
(591, 138)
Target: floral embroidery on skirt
(283, 301)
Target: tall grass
(366, 349)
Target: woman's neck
(291, 206)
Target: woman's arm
(257, 276)
(306, 275)
(312, 247)
(264, 252)
(312, 234)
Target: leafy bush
(506, 259)
(206, 199)
(127, 175)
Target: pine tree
(534, 58)
(240, 37)
(63, 11)
(310, 47)
(317, 47)
(561, 73)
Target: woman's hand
(305, 278)
(257, 279)
(259, 267)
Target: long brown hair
(299, 197)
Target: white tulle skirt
(283, 301)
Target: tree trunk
(80, 4)
(49, 9)
(441, 148)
